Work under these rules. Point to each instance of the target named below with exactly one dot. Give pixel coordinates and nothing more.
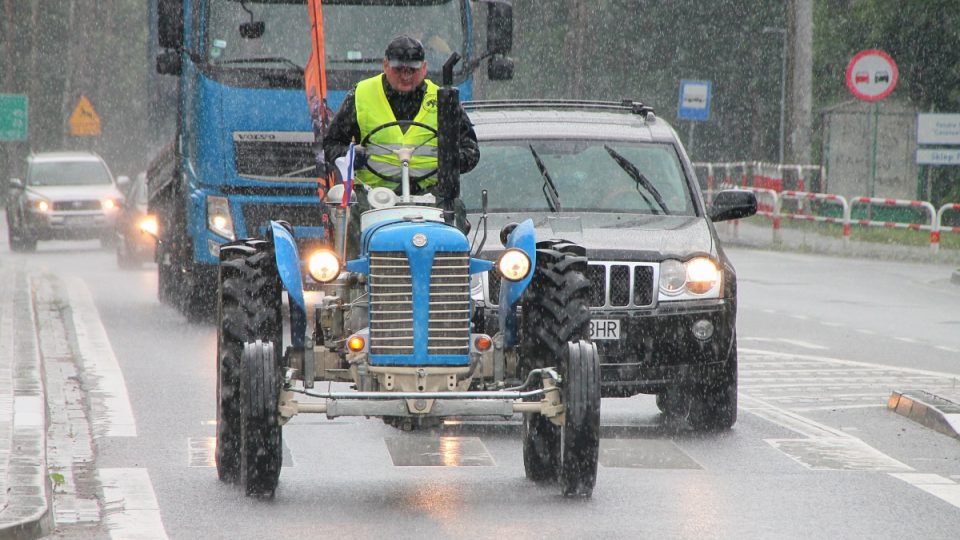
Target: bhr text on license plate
(604, 329)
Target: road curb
(929, 410)
(27, 512)
(955, 278)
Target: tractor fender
(522, 237)
(288, 263)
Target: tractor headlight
(218, 217)
(323, 265)
(513, 264)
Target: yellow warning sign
(84, 120)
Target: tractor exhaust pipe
(448, 144)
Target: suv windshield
(67, 173)
(286, 36)
(590, 176)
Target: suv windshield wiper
(549, 188)
(640, 179)
(265, 60)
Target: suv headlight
(39, 205)
(699, 277)
(218, 217)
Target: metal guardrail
(775, 212)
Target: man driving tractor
(401, 93)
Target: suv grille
(391, 305)
(275, 155)
(76, 205)
(256, 216)
(610, 285)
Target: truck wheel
(555, 306)
(261, 435)
(713, 404)
(249, 303)
(541, 447)
(196, 294)
(166, 284)
(580, 436)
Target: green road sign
(13, 117)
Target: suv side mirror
(733, 204)
(169, 63)
(500, 68)
(123, 182)
(16, 183)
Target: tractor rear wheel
(555, 311)
(248, 308)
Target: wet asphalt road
(815, 452)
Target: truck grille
(275, 155)
(610, 285)
(391, 304)
(256, 216)
(76, 205)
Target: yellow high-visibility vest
(374, 110)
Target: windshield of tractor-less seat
(589, 175)
(356, 32)
(68, 173)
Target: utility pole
(783, 85)
(801, 82)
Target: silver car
(65, 195)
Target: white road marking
(112, 414)
(832, 324)
(906, 339)
(800, 317)
(130, 504)
(948, 349)
(804, 344)
(867, 332)
(936, 485)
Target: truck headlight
(218, 217)
(149, 225)
(513, 264)
(323, 265)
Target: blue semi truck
(244, 150)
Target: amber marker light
(482, 343)
(356, 344)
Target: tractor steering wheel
(402, 123)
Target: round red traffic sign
(871, 75)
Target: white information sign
(927, 156)
(938, 128)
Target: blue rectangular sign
(694, 102)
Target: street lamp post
(783, 81)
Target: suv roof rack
(633, 107)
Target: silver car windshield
(68, 173)
(590, 176)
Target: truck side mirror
(170, 24)
(499, 27)
(169, 63)
(500, 68)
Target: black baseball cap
(404, 51)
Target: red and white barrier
(903, 203)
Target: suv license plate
(604, 329)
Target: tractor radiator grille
(391, 305)
(610, 285)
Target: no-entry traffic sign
(871, 75)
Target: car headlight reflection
(696, 276)
(323, 265)
(513, 264)
(218, 217)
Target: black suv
(615, 179)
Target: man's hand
(360, 157)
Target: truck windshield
(355, 31)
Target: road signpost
(14, 125)
(694, 103)
(871, 76)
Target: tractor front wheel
(580, 436)
(261, 435)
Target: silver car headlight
(39, 205)
(218, 217)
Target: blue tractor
(398, 323)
